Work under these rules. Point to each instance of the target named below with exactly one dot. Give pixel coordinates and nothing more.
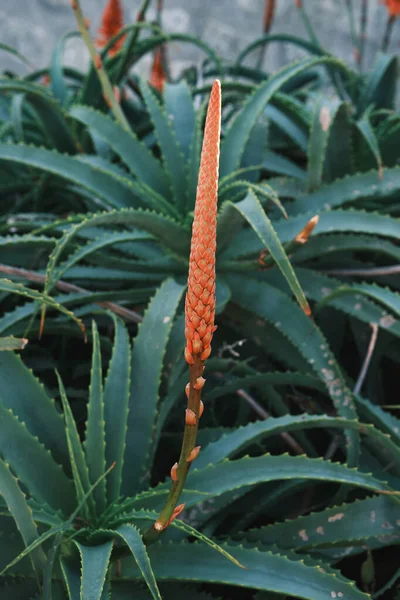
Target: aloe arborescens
(200, 303)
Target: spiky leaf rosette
(200, 297)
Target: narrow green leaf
(317, 143)
(267, 571)
(116, 398)
(147, 363)
(129, 148)
(276, 307)
(48, 110)
(172, 156)
(370, 140)
(238, 132)
(95, 426)
(380, 84)
(253, 212)
(235, 441)
(95, 560)
(134, 541)
(22, 514)
(181, 114)
(58, 85)
(12, 343)
(77, 457)
(24, 395)
(341, 525)
(33, 464)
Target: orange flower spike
(200, 297)
(158, 76)
(111, 23)
(393, 7)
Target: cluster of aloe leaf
(99, 220)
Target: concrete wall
(33, 27)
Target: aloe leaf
(268, 571)
(12, 343)
(380, 84)
(56, 73)
(22, 514)
(338, 164)
(115, 191)
(129, 148)
(21, 290)
(388, 298)
(275, 163)
(235, 441)
(324, 245)
(147, 363)
(318, 141)
(40, 415)
(238, 132)
(116, 398)
(367, 186)
(48, 110)
(95, 426)
(171, 152)
(280, 37)
(340, 221)
(341, 525)
(33, 464)
(347, 299)
(253, 212)
(134, 541)
(95, 560)
(71, 579)
(369, 139)
(271, 304)
(180, 111)
(79, 467)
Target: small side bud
(117, 93)
(74, 5)
(175, 514)
(87, 23)
(190, 417)
(194, 454)
(174, 474)
(206, 353)
(201, 408)
(189, 357)
(108, 101)
(187, 390)
(302, 237)
(200, 381)
(97, 61)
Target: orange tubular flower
(158, 76)
(393, 7)
(111, 23)
(200, 297)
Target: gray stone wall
(34, 26)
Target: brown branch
(367, 359)
(63, 286)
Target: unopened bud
(117, 93)
(74, 5)
(187, 390)
(190, 417)
(194, 454)
(174, 474)
(189, 357)
(201, 408)
(197, 346)
(87, 23)
(302, 237)
(200, 381)
(97, 61)
(206, 353)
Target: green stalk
(353, 34)
(188, 443)
(108, 91)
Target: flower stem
(108, 91)
(188, 444)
